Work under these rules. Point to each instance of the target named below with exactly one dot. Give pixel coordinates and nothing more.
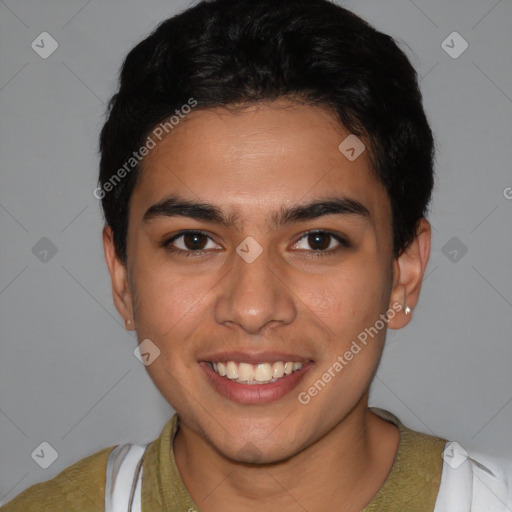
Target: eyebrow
(175, 206)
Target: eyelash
(344, 244)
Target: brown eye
(190, 243)
(194, 241)
(321, 242)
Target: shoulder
(418, 451)
(80, 487)
(492, 482)
(416, 472)
(480, 482)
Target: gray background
(68, 373)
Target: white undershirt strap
(123, 484)
(474, 482)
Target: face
(254, 242)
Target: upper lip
(254, 357)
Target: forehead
(257, 159)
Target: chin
(267, 445)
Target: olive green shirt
(411, 486)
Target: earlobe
(409, 269)
(118, 277)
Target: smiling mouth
(261, 373)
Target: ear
(408, 271)
(118, 276)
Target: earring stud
(407, 310)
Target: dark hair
(235, 52)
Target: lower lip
(255, 393)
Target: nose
(254, 295)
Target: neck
(343, 470)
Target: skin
(333, 453)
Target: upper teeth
(261, 372)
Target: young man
(266, 169)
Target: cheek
(346, 300)
(164, 297)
